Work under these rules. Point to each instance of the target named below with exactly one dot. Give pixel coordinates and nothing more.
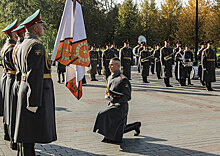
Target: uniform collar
(29, 35)
(116, 74)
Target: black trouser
(26, 149)
(131, 127)
(152, 68)
(144, 78)
(167, 81)
(182, 82)
(84, 80)
(59, 76)
(208, 85)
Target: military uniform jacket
(15, 87)
(145, 62)
(94, 58)
(100, 59)
(126, 56)
(108, 54)
(209, 63)
(116, 52)
(111, 122)
(10, 70)
(179, 58)
(199, 56)
(157, 59)
(36, 90)
(167, 60)
(8, 67)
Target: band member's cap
(203, 43)
(19, 29)
(167, 40)
(126, 41)
(10, 27)
(33, 19)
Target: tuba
(142, 39)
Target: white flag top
(71, 47)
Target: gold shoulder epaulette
(36, 40)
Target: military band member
(99, 68)
(188, 63)
(108, 54)
(94, 57)
(35, 117)
(167, 60)
(176, 50)
(8, 78)
(139, 51)
(112, 122)
(114, 49)
(152, 61)
(199, 56)
(209, 64)
(126, 57)
(181, 72)
(157, 61)
(135, 53)
(145, 63)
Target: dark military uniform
(209, 63)
(126, 57)
(112, 122)
(107, 56)
(116, 52)
(100, 62)
(94, 57)
(188, 65)
(61, 69)
(167, 60)
(199, 56)
(181, 72)
(36, 90)
(157, 62)
(145, 64)
(6, 84)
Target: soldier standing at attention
(8, 78)
(145, 63)
(181, 72)
(35, 117)
(157, 61)
(188, 64)
(99, 68)
(107, 56)
(199, 56)
(61, 69)
(167, 60)
(139, 51)
(94, 57)
(209, 64)
(20, 31)
(126, 57)
(114, 49)
(112, 122)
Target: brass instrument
(168, 57)
(142, 39)
(147, 58)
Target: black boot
(6, 136)
(14, 146)
(209, 86)
(202, 82)
(134, 126)
(189, 81)
(145, 79)
(28, 149)
(58, 78)
(167, 82)
(63, 77)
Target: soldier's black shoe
(210, 89)
(169, 85)
(159, 77)
(190, 84)
(14, 146)
(137, 130)
(58, 81)
(146, 81)
(6, 137)
(63, 81)
(111, 141)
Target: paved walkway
(175, 121)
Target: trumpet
(168, 57)
(147, 58)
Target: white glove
(32, 109)
(109, 98)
